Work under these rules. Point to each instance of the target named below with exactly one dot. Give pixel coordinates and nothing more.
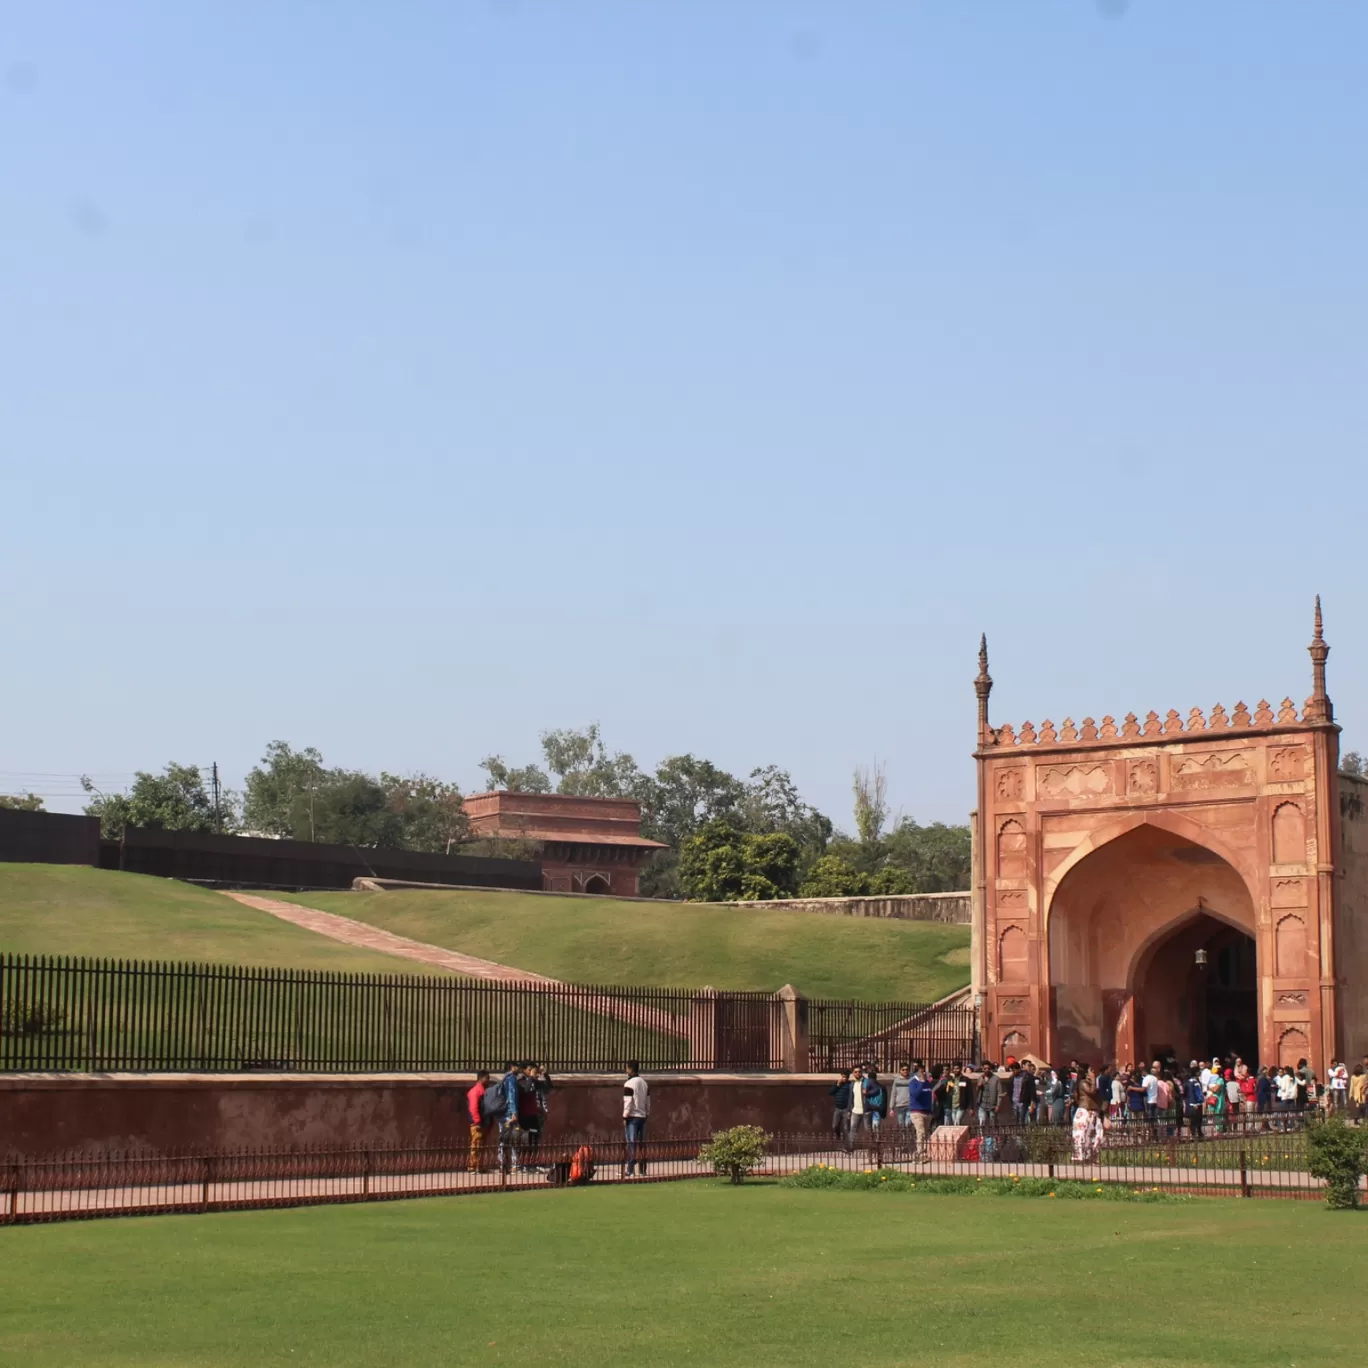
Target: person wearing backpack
(876, 1098)
(510, 1135)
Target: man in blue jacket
(919, 1107)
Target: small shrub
(735, 1152)
(1336, 1152)
(31, 1019)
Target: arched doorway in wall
(596, 883)
(1124, 926)
(1195, 993)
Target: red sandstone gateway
(590, 845)
(1182, 887)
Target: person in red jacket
(478, 1123)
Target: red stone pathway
(386, 942)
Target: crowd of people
(1167, 1099)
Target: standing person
(478, 1123)
(840, 1094)
(1150, 1083)
(876, 1098)
(1339, 1087)
(961, 1097)
(990, 1095)
(859, 1116)
(940, 1095)
(1015, 1090)
(919, 1107)
(1030, 1092)
(510, 1136)
(1263, 1094)
(1135, 1097)
(1194, 1100)
(1059, 1098)
(902, 1095)
(1358, 1093)
(1305, 1084)
(533, 1104)
(636, 1107)
(1087, 1118)
(1286, 1084)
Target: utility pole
(218, 813)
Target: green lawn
(694, 1273)
(72, 910)
(675, 944)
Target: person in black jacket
(840, 1103)
(1030, 1090)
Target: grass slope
(72, 910)
(694, 1273)
(602, 940)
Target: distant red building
(589, 845)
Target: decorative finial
(1318, 707)
(983, 686)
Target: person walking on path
(475, 1111)
(859, 1108)
(1358, 1093)
(636, 1107)
(840, 1094)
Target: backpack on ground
(573, 1172)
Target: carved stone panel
(1286, 763)
(1074, 781)
(1213, 770)
(1011, 785)
(1012, 901)
(1289, 893)
(1142, 778)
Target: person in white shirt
(636, 1107)
(1339, 1086)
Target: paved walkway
(386, 942)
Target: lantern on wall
(1201, 958)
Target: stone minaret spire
(1318, 706)
(983, 686)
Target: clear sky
(404, 379)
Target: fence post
(14, 1194)
(365, 1173)
(205, 1180)
(703, 1029)
(789, 1018)
(1244, 1175)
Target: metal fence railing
(1254, 1164)
(63, 1014)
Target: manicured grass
(98, 913)
(596, 940)
(694, 1273)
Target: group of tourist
(514, 1109)
(1215, 1096)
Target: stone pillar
(789, 1030)
(703, 1029)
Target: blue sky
(406, 379)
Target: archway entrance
(1124, 927)
(1186, 1009)
(596, 883)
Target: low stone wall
(937, 907)
(48, 1114)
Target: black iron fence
(76, 1186)
(61, 1014)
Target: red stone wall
(50, 1115)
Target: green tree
(831, 876)
(526, 779)
(275, 789)
(1338, 1153)
(682, 794)
(28, 802)
(430, 811)
(583, 766)
(721, 863)
(175, 800)
(936, 858)
(871, 804)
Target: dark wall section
(48, 838)
(259, 862)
